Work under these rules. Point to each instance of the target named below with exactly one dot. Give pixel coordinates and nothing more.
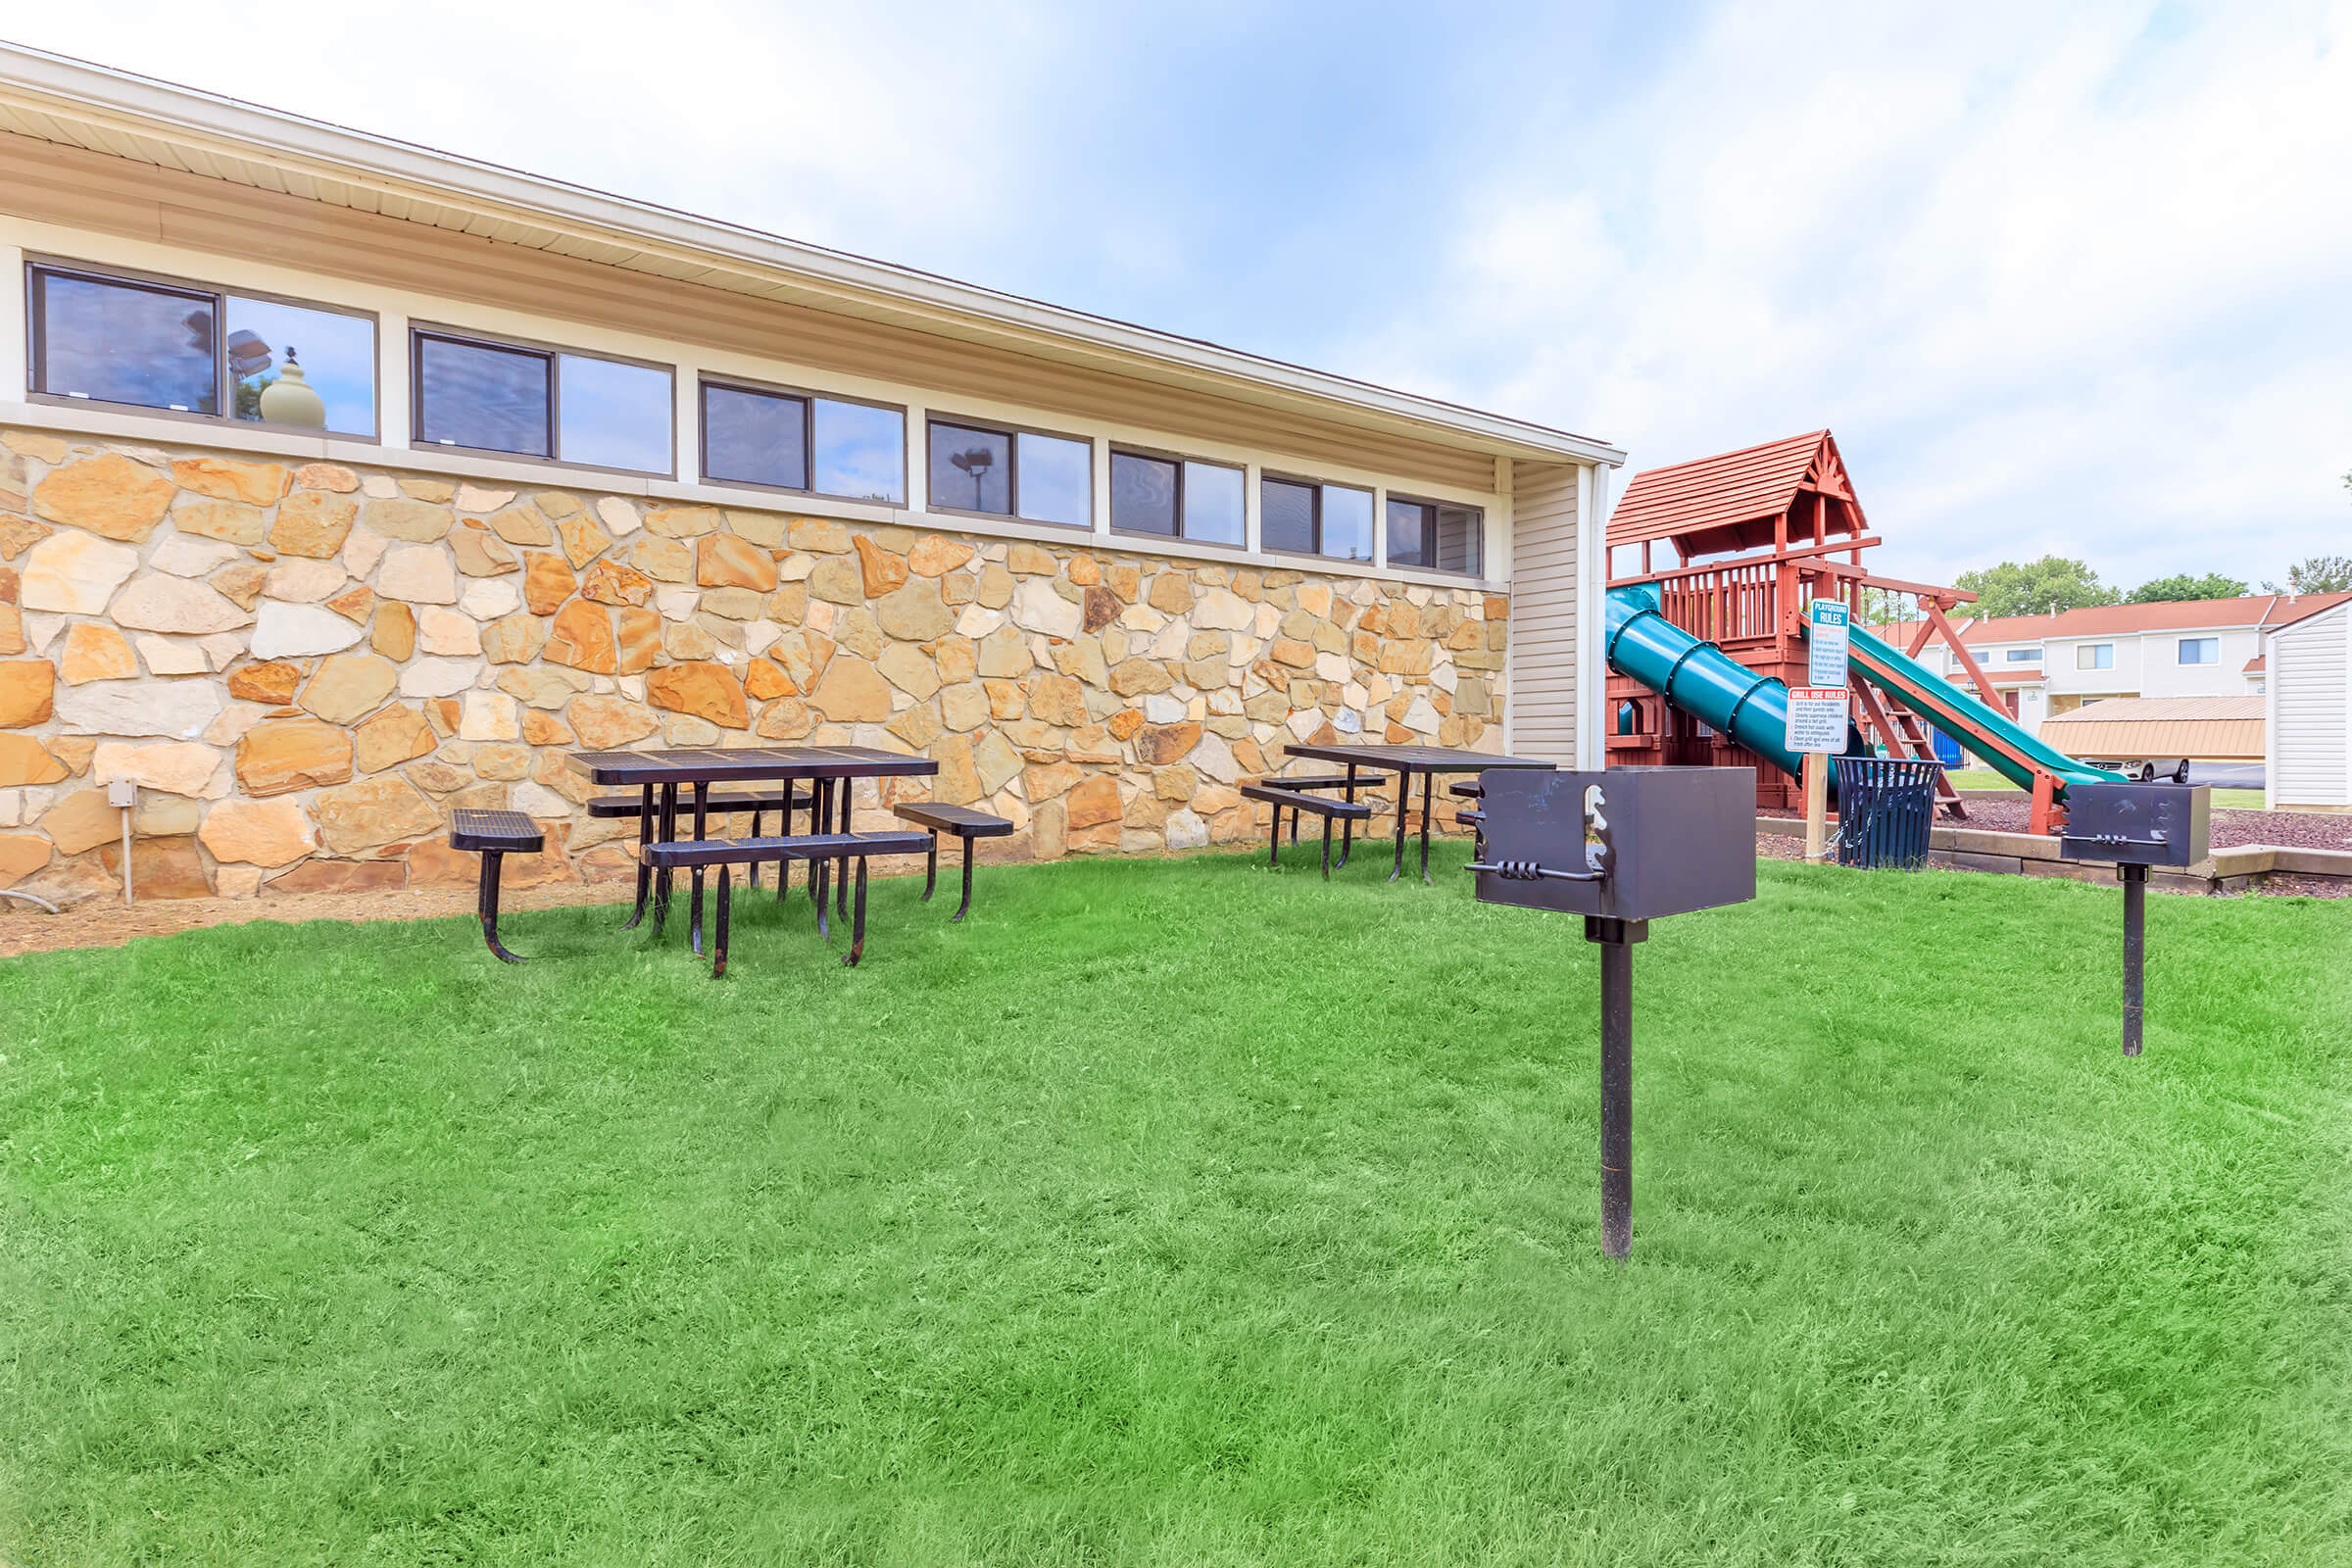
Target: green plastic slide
(1719, 691)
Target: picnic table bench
(937, 817)
(820, 848)
(1282, 795)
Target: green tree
(2180, 586)
(2319, 575)
(2035, 588)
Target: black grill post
(1616, 939)
(2135, 950)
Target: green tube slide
(1716, 689)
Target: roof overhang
(67, 100)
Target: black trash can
(1883, 811)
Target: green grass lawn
(1985, 778)
(1182, 1213)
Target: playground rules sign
(1817, 718)
(1827, 626)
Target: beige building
(347, 481)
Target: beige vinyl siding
(1545, 622)
(51, 184)
(2313, 714)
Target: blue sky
(2069, 278)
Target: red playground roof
(1732, 501)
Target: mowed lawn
(1182, 1213)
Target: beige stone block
(417, 523)
(348, 687)
(837, 580)
(995, 760)
(723, 561)
(819, 536)
(474, 498)
(479, 554)
(363, 552)
(299, 580)
(932, 555)
(332, 477)
(438, 491)
(445, 631)
(619, 516)
(421, 574)
(964, 706)
(265, 833)
(240, 583)
(81, 820)
(397, 735)
(175, 767)
(522, 525)
(787, 719)
(25, 761)
(313, 523)
(851, 692)
(684, 640)
(281, 754)
(549, 686)
(670, 561)
(734, 604)
(108, 495)
(74, 573)
(501, 763)
(514, 639)
(918, 726)
(490, 716)
(608, 723)
(376, 812)
(681, 523)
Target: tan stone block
(723, 561)
(608, 582)
(1056, 700)
(1162, 744)
(480, 555)
(1137, 677)
(557, 504)
(514, 639)
(1171, 592)
(267, 833)
(439, 491)
(347, 686)
(21, 855)
(302, 581)
(608, 723)
(1003, 655)
(668, 560)
(918, 726)
(339, 876)
(681, 523)
(1042, 782)
(763, 678)
(787, 719)
(581, 636)
(915, 613)
(706, 690)
(325, 477)
(996, 760)
(353, 604)
(995, 587)
(544, 730)
(684, 640)
(851, 692)
(957, 782)
(1178, 783)
(108, 495)
(957, 658)
(819, 536)
(932, 555)
(81, 820)
(730, 606)
(1100, 608)
(956, 588)
(25, 761)
(421, 574)
(28, 689)
(964, 706)
(640, 640)
(548, 686)
(1295, 653)
(522, 525)
(176, 767)
(11, 631)
(906, 668)
(1006, 699)
(159, 868)
(1093, 802)
(280, 754)
(93, 651)
(313, 523)
(837, 580)
(489, 717)
(1031, 561)
(504, 762)
(419, 522)
(880, 571)
(397, 735)
(272, 681)
(20, 534)
(232, 521)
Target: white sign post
(1827, 622)
(1817, 720)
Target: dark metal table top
(715, 764)
(1416, 759)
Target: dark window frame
(553, 354)
(1318, 486)
(808, 400)
(1435, 507)
(40, 266)
(1012, 435)
(1119, 449)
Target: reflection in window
(1044, 479)
(2200, 650)
(971, 469)
(1286, 516)
(613, 416)
(1055, 479)
(755, 438)
(290, 346)
(122, 342)
(1347, 524)
(1176, 498)
(483, 395)
(2094, 655)
(860, 450)
(1434, 536)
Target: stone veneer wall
(305, 667)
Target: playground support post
(1817, 804)
(2135, 950)
(1616, 939)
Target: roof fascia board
(142, 106)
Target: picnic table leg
(1404, 814)
(1348, 828)
(487, 903)
(1274, 839)
(1429, 783)
(645, 834)
(1326, 849)
(754, 867)
(718, 947)
(857, 921)
(841, 812)
(669, 833)
(931, 867)
(821, 871)
(702, 803)
(963, 909)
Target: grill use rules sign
(1828, 624)
(1817, 719)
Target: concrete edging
(2228, 870)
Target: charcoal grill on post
(2137, 826)
(1621, 848)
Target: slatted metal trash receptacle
(1885, 807)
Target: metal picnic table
(1404, 761)
(831, 769)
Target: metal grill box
(1670, 839)
(2137, 824)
